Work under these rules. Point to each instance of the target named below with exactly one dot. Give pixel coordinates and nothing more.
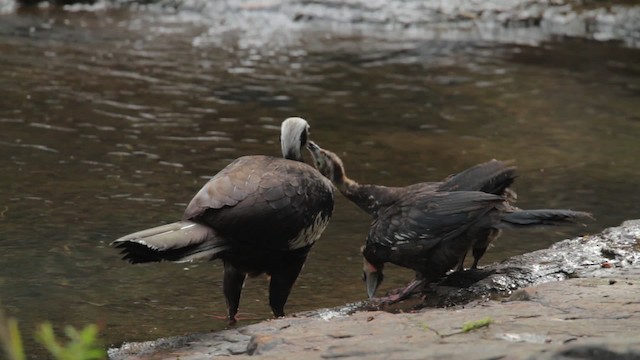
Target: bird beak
(372, 281)
(315, 150)
(313, 147)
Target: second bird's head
(294, 135)
(328, 163)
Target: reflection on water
(111, 120)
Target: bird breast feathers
(310, 234)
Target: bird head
(328, 163)
(294, 134)
(371, 274)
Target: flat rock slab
(594, 313)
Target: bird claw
(389, 299)
(231, 321)
(396, 296)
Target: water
(113, 118)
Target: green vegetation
(10, 337)
(466, 327)
(473, 325)
(82, 345)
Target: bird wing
(228, 187)
(419, 222)
(492, 177)
(259, 195)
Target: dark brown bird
(428, 227)
(259, 214)
(493, 177)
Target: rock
(626, 348)
(192, 347)
(521, 295)
(573, 258)
(559, 303)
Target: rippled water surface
(111, 119)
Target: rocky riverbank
(279, 22)
(576, 299)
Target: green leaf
(17, 350)
(46, 337)
(473, 325)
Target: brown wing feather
(259, 195)
(228, 187)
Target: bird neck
(348, 187)
(370, 198)
(292, 153)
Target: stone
(558, 303)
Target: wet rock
(512, 21)
(627, 348)
(562, 304)
(527, 22)
(521, 295)
(197, 346)
(573, 258)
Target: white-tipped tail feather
(179, 242)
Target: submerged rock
(576, 299)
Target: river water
(112, 117)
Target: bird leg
(403, 294)
(460, 266)
(282, 280)
(239, 317)
(476, 259)
(481, 246)
(232, 287)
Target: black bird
(426, 228)
(259, 214)
(493, 177)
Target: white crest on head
(293, 136)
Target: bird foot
(232, 321)
(390, 299)
(402, 294)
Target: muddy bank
(578, 298)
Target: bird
(494, 177)
(259, 214)
(428, 227)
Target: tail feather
(180, 241)
(493, 177)
(542, 217)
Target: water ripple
(151, 200)
(121, 105)
(97, 163)
(172, 164)
(194, 138)
(52, 127)
(118, 115)
(33, 146)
